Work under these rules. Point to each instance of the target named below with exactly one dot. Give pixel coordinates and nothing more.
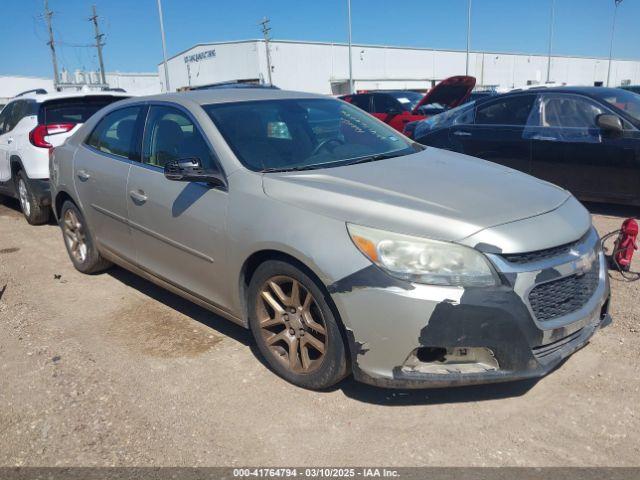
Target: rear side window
(507, 111)
(362, 101)
(383, 103)
(73, 110)
(116, 132)
(5, 118)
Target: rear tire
(32, 209)
(80, 244)
(294, 327)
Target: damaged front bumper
(414, 336)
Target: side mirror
(610, 124)
(190, 170)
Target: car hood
(450, 92)
(434, 193)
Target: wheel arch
(15, 163)
(61, 197)
(257, 258)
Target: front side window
(171, 135)
(512, 111)
(627, 101)
(568, 111)
(295, 134)
(116, 132)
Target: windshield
(295, 134)
(626, 101)
(446, 119)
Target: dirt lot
(111, 370)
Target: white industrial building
(134, 83)
(324, 67)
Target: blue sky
(133, 41)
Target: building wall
(10, 86)
(324, 67)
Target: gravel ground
(111, 370)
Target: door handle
(461, 133)
(544, 138)
(83, 175)
(9, 141)
(138, 196)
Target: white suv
(32, 124)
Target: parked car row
(30, 126)
(345, 247)
(400, 108)
(584, 139)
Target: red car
(400, 107)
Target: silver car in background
(343, 246)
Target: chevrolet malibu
(345, 247)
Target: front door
(101, 168)
(570, 150)
(179, 228)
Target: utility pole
(350, 63)
(265, 32)
(99, 45)
(468, 34)
(553, 14)
(164, 49)
(613, 29)
(47, 15)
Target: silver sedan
(345, 247)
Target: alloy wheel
(74, 236)
(292, 324)
(24, 197)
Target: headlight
(421, 260)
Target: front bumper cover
(387, 319)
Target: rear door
(497, 133)
(5, 142)
(570, 150)
(179, 228)
(101, 168)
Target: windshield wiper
(374, 158)
(291, 169)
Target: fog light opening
(443, 360)
(431, 354)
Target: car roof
(43, 97)
(226, 95)
(589, 91)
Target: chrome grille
(565, 295)
(538, 255)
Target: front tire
(32, 209)
(294, 327)
(79, 242)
